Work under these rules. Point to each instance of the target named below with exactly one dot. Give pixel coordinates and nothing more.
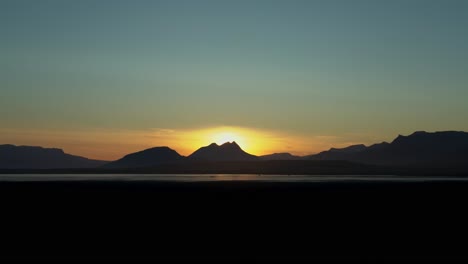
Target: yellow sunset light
(223, 137)
(220, 135)
(253, 141)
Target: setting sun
(253, 141)
(224, 137)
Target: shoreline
(266, 168)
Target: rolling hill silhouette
(225, 152)
(280, 156)
(27, 157)
(337, 154)
(147, 158)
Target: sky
(105, 78)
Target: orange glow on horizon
(114, 144)
(224, 137)
(249, 140)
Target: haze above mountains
(443, 149)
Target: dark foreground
(233, 220)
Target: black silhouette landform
(147, 158)
(26, 157)
(420, 152)
(280, 156)
(418, 149)
(225, 152)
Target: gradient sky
(104, 78)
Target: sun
(223, 137)
(249, 140)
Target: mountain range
(449, 148)
(26, 157)
(423, 149)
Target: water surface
(220, 177)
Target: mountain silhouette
(147, 158)
(337, 153)
(420, 150)
(350, 149)
(225, 152)
(438, 149)
(28, 157)
(280, 156)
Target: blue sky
(358, 70)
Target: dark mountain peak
(154, 151)
(159, 149)
(147, 158)
(229, 143)
(232, 144)
(352, 148)
(439, 133)
(32, 157)
(416, 135)
(338, 153)
(419, 133)
(35, 149)
(399, 138)
(280, 156)
(7, 146)
(378, 145)
(421, 148)
(54, 150)
(226, 145)
(228, 151)
(429, 138)
(282, 153)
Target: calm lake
(221, 177)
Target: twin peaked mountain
(422, 149)
(161, 155)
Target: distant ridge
(29, 157)
(147, 158)
(280, 156)
(225, 152)
(337, 154)
(437, 149)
